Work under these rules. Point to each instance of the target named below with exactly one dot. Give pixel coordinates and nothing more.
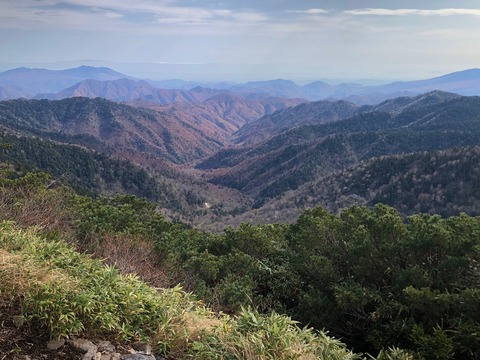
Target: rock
(91, 356)
(138, 357)
(111, 356)
(104, 350)
(55, 344)
(86, 347)
(105, 347)
(143, 347)
(83, 346)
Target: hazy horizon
(154, 72)
(210, 41)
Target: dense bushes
(369, 276)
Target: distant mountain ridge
(129, 89)
(466, 82)
(29, 83)
(317, 90)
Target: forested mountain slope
(93, 173)
(442, 182)
(115, 128)
(319, 112)
(435, 121)
(227, 111)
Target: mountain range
(27, 82)
(308, 153)
(258, 151)
(443, 182)
(104, 82)
(466, 82)
(129, 89)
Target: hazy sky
(245, 39)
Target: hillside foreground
(49, 290)
(377, 281)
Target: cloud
(249, 17)
(113, 15)
(25, 15)
(92, 13)
(312, 11)
(418, 12)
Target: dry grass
(30, 207)
(186, 328)
(199, 325)
(19, 275)
(12, 279)
(133, 255)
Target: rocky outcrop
(101, 350)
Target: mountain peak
(440, 94)
(275, 82)
(468, 74)
(97, 73)
(32, 81)
(402, 103)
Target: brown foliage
(133, 254)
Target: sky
(240, 40)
